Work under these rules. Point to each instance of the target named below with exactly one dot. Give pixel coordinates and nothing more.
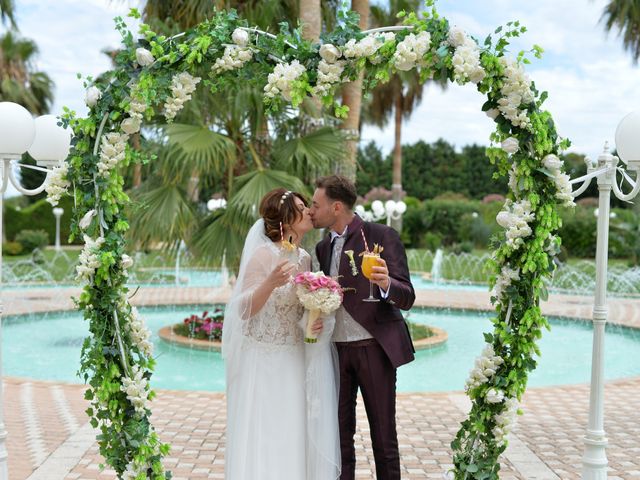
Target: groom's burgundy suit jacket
(383, 320)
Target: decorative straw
(366, 246)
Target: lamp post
(57, 212)
(391, 210)
(48, 144)
(594, 460)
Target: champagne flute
(370, 260)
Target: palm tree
(7, 11)
(400, 95)
(625, 15)
(229, 149)
(352, 98)
(19, 82)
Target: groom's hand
(380, 275)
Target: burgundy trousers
(364, 365)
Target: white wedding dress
(269, 417)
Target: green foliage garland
(156, 75)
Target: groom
(372, 339)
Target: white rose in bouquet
(144, 57)
(457, 37)
(91, 97)
(511, 145)
(240, 37)
(329, 53)
(130, 126)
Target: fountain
(436, 268)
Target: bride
(282, 421)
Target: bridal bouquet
(317, 293)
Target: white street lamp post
(57, 212)
(594, 460)
(391, 210)
(48, 144)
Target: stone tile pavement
(49, 437)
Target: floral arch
(156, 75)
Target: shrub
(474, 230)
(32, 239)
(432, 241)
(12, 248)
(462, 247)
(207, 326)
(444, 217)
(39, 215)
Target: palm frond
(196, 148)
(163, 214)
(252, 186)
(309, 155)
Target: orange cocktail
(369, 260)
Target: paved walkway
(49, 437)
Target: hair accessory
(284, 196)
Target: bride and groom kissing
(291, 406)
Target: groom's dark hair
(339, 189)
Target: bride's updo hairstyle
(279, 207)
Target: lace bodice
(277, 321)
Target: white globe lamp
(52, 143)
(628, 140)
(17, 130)
(378, 208)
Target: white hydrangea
(328, 76)
(233, 58)
(515, 218)
(279, 81)
(57, 184)
(507, 275)
(466, 61)
(410, 50)
(516, 92)
(182, 86)
(368, 46)
(112, 151)
(136, 388)
(140, 334)
(562, 181)
(505, 420)
(89, 260)
(484, 368)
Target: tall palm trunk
(137, 168)
(311, 19)
(396, 185)
(352, 98)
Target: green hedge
(37, 216)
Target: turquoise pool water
(48, 346)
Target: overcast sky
(591, 80)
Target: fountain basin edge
(438, 338)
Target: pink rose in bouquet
(317, 293)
